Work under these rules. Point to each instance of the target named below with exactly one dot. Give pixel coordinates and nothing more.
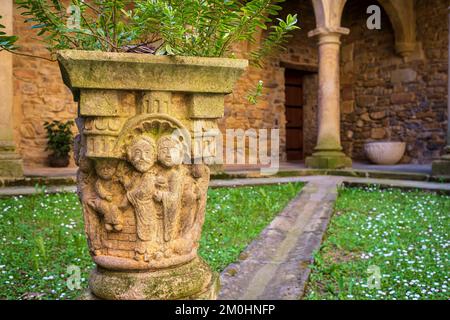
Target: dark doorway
(294, 114)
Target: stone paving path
(275, 266)
(432, 186)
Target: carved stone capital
(143, 197)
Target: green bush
(60, 137)
(175, 27)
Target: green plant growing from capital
(206, 28)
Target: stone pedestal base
(10, 165)
(190, 281)
(328, 160)
(441, 167)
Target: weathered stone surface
(403, 97)
(275, 266)
(11, 167)
(348, 107)
(126, 71)
(347, 93)
(441, 167)
(10, 161)
(99, 103)
(365, 116)
(209, 106)
(328, 160)
(366, 101)
(378, 115)
(347, 52)
(39, 95)
(378, 133)
(183, 282)
(403, 75)
(143, 199)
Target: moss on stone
(176, 283)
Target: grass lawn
(42, 235)
(401, 236)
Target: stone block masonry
(387, 97)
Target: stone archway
(328, 13)
(403, 19)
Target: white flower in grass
(365, 256)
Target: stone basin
(385, 152)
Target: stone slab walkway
(430, 186)
(407, 184)
(275, 266)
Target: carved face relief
(170, 151)
(105, 168)
(141, 154)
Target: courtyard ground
(42, 235)
(286, 260)
(400, 237)
(278, 264)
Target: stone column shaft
(329, 94)
(328, 151)
(10, 162)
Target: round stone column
(328, 151)
(10, 161)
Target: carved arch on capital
(154, 125)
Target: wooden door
(294, 114)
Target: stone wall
(387, 97)
(379, 89)
(39, 95)
(269, 112)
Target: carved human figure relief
(145, 207)
(85, 190)
(142, 155)
(170, 154)
(200, 173)
(170, 183)
(109, 195)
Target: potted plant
(146, 74)
(60, 140)
(386, 152)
